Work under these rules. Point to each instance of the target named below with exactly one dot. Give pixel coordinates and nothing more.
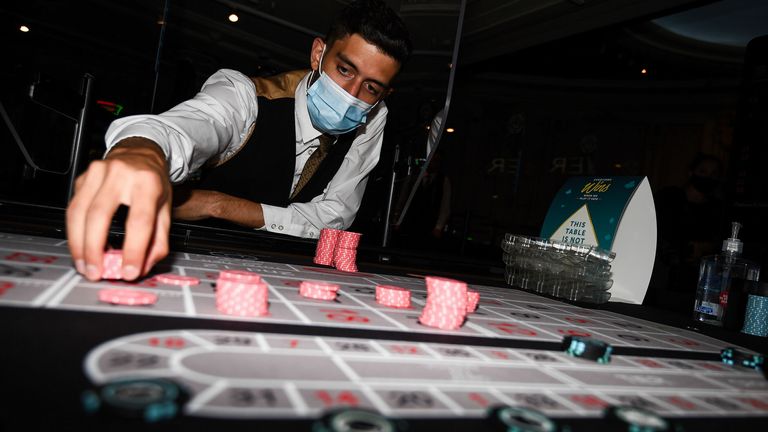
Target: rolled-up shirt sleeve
(212, 126)
(337, 206)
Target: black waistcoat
(262, 171)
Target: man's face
(357, 66)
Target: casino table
(286, 370)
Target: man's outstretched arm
(203, 204)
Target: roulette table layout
(307, 357)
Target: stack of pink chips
(446, 303)
(393, 296)
(345, 254)
(318, 290)
(326, 246)
(338, 248)
(241, 293)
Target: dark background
(543, 91)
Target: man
(692, 219)
(238, 127)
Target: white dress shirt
(212, 126)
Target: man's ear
(316, 53)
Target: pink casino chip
(393, 296)
(345, 259)
(348, 240)
(240, 276)
(112, 264)
(318, 290)
(447, 303)
(127, 297)
(326, 246)
(174, 279)
(245, 299)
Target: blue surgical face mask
(333, 110)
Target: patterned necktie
(313, 163)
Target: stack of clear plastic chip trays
(569, 271)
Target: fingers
(159, 247)
(86, 188)
(146, 194)
(97, 221)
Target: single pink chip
(240, 276)
(320, 285)
(174, 279)
(127, 297)
(112, 264)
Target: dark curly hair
(378, 24)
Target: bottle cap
(733, 244)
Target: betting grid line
(380, 349)
(351, 375)
(262, 341)
(201, 341)
(717, 383)
(500, 396)
(481, 329)
(713, 408)
(375, 399)
(659, 402)
(202, 398)
(28, 248)
(566, 402)
(66, 284)
(292, 392)
(429, 350)
(143, 349)
(189, 303)
(290, 305)
(476, 353)
(453, 406)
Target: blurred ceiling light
(450, 130)
(644, 71)
(233, 17)
(24, 29)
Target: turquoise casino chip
(151, 400)
(506, 418)
(356, 420)
(587, 348)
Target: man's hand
(134, 174)
(199, 204)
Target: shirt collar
(305, 131)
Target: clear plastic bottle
(725, 281)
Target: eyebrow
(346, 59)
